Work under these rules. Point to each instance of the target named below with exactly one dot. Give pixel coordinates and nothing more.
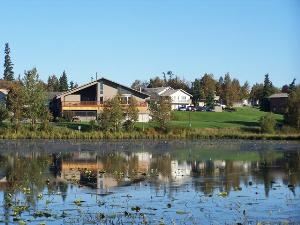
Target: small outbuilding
(278, 102)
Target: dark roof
(144, 95)
(155, 90)
(52, 94)
(5, 84)
(279, 95)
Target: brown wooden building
(278, 102)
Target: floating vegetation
(171, 183)
(41, 214)
(223, 194)
(78, 202)
(181, 212)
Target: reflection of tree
(23, 172)
(115, 164)
(161, 164)
(292, 167)
(206, 173)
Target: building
(87, 101)
(179, 98)
(278, 102)
(3, 95)
(4, 89)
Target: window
(101, 88)
(123, 100)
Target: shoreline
(201, 134)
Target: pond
(149, 182)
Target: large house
(278, 102)
(179, 98)
(87, 101)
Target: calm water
(148, 182)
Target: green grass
(242, 124)
(243, 117)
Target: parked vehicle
(200, 109)
(230, 109)
(75, 119)
(191, 108)
(182, 108)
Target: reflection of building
(144, 161)
(3, 181)
(180, 170)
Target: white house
(179, 97)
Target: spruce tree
(53, 83)
(8, 65)
(63, 82)
(267, 91)
(71, 85)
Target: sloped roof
(52, 94)
(156, 90)
(5, 84)
(99, 80)
(279, 95)
(172, 91)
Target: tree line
(27, 95)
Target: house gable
(103, 87)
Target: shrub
(3, 112)
(267, 123)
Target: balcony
(84, 104)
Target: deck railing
(95, 103)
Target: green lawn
(243, 117)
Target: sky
(126, 40)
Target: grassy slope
(243, 117)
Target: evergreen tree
(71, 85)
(292, 86)
(195, 90)
(53, 83)
(210, 100)
(267, 91)
(63, 82)
(8, 65)
(227, 90)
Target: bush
(267, 123)
(3, 113)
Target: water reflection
(206, 170)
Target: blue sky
(127, 40)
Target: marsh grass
(149, 133)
